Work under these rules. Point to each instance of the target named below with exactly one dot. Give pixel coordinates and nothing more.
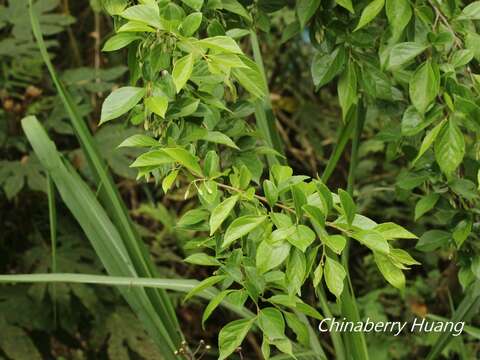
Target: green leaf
(157, 105)
(192, 217)
(282, 233)
(348, 206)
(471, 43)
(270, 256)
(205, 284)
(325, 66)
(299, 198)
(302, 238)
(135, 26)
(461, 58)
(424, 86)
(119, 41)
(449, 147)
(114, 7)
(236, 7)
(403, 53)
(425, 204)
(306, 9)
(299, 328)
(185, 158)
(347, 89)
(325, 196)
(270, 191)
(227, 60)
(391, 230)
(191, 23)
(152, 158)
(347, 4)
(213, 304)
(284, 299)
(308, 310)
(220, 138)
(211, 164)
(231, 336)
(389, 271)
(412, 122)
(168, 181)
(138, 140)
(428, 140)
(471, 11)
(461, 231)
(194, 4)
(143, 13)
(240, 227)
(296, 270)
(284, 345)
(120, 101)
(317, 275)
(271, 321)
(373, 240)
(399, 14)
(182, 70)
(251, 79)
(202, 259)
(317, 217)
(221, 43)
(432, 240)
(265, 348)
(221, 212)
(403, 257)
(369, 13)
(334, 276)
(335, 242)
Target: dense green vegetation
(210, 179)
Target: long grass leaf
(470, 330)
(52, 217)
(335, 336)
(264, 116)
(108, 193)
(314, 340)
(355, 340)
(178, 285)
(468, 307)
(98, 228)
(344, 135)
(302, 355)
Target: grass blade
(335, 336)
(470, 330)
(264, 116)
(108, 193)
(99, 229)
(344, 135)
(468, 307)
(52, 216)
(355, 341)
(303, 355)
(179, 285)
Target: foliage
(261, 249)
(223, 116)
